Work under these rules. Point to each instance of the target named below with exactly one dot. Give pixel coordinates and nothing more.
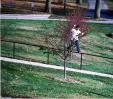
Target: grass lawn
(19, 80)
(32, 31)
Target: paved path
(55, 67)
(45, 17)
(25, 16)
(91, 4)
(106, 21)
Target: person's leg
(77, 46)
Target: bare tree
(61, 40)
(97, 9)
(65, 5)
(33, 5)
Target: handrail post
(13, 49)
(64, 60)
(64, 68)
(48, 56)
(81, 61)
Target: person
(75, 32)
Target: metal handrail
(97, 55)
(24, 43)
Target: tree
(79, 2)
(61, 40)
(65, 5)
(97, 9)
(33, 5)
(48, 6)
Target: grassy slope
(26, 81)
(94, 42)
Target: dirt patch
(67, 80)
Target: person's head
(74, 26)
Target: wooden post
(81, 62)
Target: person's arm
(80, 33)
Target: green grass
(27, 81)
(32, 31)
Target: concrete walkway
(25, 16)
(46, 17)
(106, 21)
(55, 67)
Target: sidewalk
(46, 17)
(106, 21)
(25, 16)
(55, 67)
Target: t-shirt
(75, 34)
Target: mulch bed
(22, 6)
(67, 80)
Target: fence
(85, 62)
(14, 55)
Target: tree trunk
(79, 2)
(48, 6)
(97, 9)
(33, 5)
(65, 5)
